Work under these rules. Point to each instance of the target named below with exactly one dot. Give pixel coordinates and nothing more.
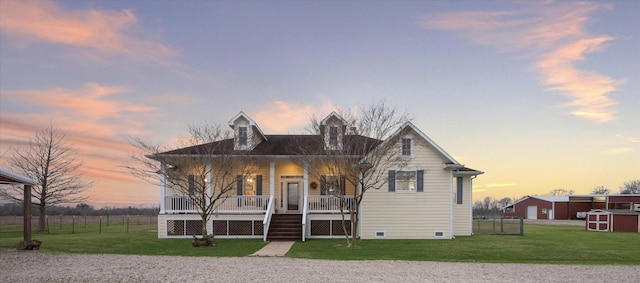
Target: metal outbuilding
(10, 178)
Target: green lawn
(133, 243)
(540, 244)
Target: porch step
(285, 227)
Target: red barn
(567, 207)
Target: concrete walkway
(274, 249)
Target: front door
(293, 196)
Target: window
(332, 185)
(406, 146)
(405, 180)
(196, 185)
(333, 136)
(242, 136)
(459, 190)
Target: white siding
(412, 215)
(462, 212)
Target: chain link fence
(71, 224)
(498, 225)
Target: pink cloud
(554, 35)
(108, 32)
(281, 116)
(80, 109)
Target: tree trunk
(42, 225)
(204, 226)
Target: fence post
(127, 227)
(502, 224)
(73, 224)
(521, 226)
(100, 226)
(60, 222)
(494, 223)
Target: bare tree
(560, 192)
(49, 159)
(600, 190)
(204, 170)
(631, 187)
(359, 161)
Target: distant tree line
(11, 209)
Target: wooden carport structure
(9, 178)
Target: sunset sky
(538, 94)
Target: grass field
(554, 244)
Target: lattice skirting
(329, 228)
(220, 227)
(184, 227)
(237, 228)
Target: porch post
(163, 187)
(305, 182)
(272, 179)
(27, 214)
(361, 177)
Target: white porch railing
(184, 204)
(328, 203)
(267, 219)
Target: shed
(614, 220)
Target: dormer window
(242, 136)
(406, 147)
(333, 136)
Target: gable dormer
(246, 133)
(332, 129)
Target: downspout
(471, 203)
(451, 204)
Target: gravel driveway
(35, 266)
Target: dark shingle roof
(281, 145)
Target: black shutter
(392, 180)
(259, 185)
(323, 185)
(420, 180)
(343, 185)
(192, 184)
(459, 190)
(239, 185)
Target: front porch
(254, 204)
(250, 217)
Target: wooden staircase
(285, 227)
